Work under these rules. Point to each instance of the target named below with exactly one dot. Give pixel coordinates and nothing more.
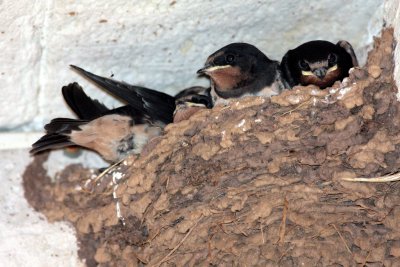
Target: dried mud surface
(254, 183)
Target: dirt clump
(256, 183)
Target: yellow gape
(309, 73)
(306, 73)
(214, 68)
(332, 68)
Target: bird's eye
(332, 59)
(304, 65)
(230, 58)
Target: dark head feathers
(317, 59)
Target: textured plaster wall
(156, 43)
(27, 239)
(392, 17)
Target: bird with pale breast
(116, 133)
(112, 133)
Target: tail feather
(57, 135)
(84, 107)
(51, 141)
(63, 125)
(157, 105)
(88, 109)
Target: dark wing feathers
(286, 71)
(157, 102)
(158, 105)
(84, 107)
(349, 49)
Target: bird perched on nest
(115, 133)
(321, 63)
(241, 69)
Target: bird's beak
(320, 72)
(210, 68)
(204, 69)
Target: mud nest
(258, 182)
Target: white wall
(156, 43)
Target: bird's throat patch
(331, 76)
(225, 79)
